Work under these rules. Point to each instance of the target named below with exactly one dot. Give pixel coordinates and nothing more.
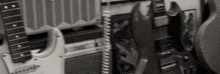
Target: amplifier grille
(42, 15)
(86, 64)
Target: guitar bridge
(25, 69)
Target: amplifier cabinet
(85, 64)
(42, 15)
(86, 57)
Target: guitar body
(157, 41)
(16, 55)
(207, 38)
(4, 49)
(49, 61)
(145, 35)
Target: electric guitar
(16, 56)
(145, 32)
(207, 38)
(151, 33)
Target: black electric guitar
(146, 29)
(207, 38)
(151, 34)
(16, 56)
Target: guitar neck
(14, 31)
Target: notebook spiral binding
(107, 46)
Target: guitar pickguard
(49, 61)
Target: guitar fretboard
(14, 31)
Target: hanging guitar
(145, 32)
(16, 55)
(151, 34)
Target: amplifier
(85, 64)
(42, 15)
(85, 57)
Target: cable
(107, 46)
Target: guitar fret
(14, 47)
(17, 38)
(21, 48)
(13, 25)
(11, 13)
(12, 19)
(20, 51)
(22, 59)
(12, 16)
(12, 37)
(9, 6)
(18, 45)
(7, 1)
(160, 9)
(21, 55)
(14, 22)
(10, 9)
(16, 33)
(17, 30)
(17, 41)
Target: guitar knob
(185, 57)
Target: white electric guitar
(16, 55)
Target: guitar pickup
(165, 54)
(26, 69)
(161, 21)
(168, 63)
(164, 44)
